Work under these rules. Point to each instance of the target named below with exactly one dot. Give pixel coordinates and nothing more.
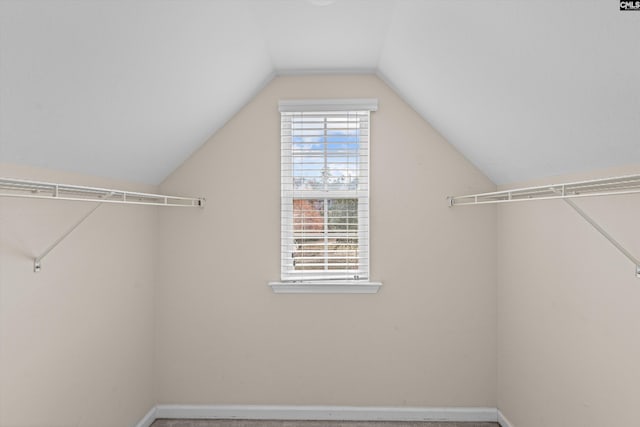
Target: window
(325, 196)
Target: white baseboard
(503, 421)
(149, 418)
(335, 413)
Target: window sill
(325, 287)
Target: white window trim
(327, 286)
(302, 105)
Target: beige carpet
(258, 423)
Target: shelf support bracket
(607, 236)
(37, 262)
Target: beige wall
(427, 339)
(76, 339)
(568, 312)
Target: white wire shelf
(10, 187)
(598, 187)
(628, 184)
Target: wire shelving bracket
(629, 184)
(10, 187)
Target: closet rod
(10, 187)
(628, 184)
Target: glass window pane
(325, 234)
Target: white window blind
(325, 190)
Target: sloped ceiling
(129, 89)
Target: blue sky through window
(325, 152)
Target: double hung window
(325, 191)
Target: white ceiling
(129, 89)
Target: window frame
(289, 281)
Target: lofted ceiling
(129, 89)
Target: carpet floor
(272, 423)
